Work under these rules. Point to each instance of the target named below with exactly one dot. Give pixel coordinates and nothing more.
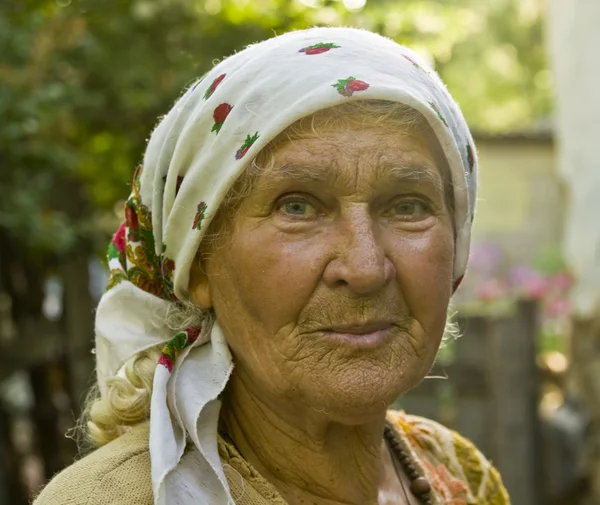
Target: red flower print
(166, 361)
(241, 152)
(199, 216)
(453, 491)
(131, 218)
(357, 85)
(192, 334)
(211, 89)
(316, 50)
(167, 267)
(220, 115)
(347, 87)
(119, 238)
(319, 48)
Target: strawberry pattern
(211, 89)
(241, 152)
(220, 115)
(347, 87)
(319, 48)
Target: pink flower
(528, 282)
(492, 289)
(562, 281)
(536, 288)
(119, 238)
(558, 307)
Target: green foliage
(82, 84)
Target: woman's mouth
(362, 335)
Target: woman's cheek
(278, 281)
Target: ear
(199, 287)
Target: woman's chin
(357, 400)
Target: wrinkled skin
(349, 227)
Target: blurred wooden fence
(45, 362)
(491, 396)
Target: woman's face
(333, 285)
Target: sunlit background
(82, 84)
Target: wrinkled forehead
(395, 139)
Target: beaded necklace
(419, 485)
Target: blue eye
(412, 208)
(296, 208)
(405, 208)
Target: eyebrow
(394, 172)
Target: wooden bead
(420, 486)
(406, 463)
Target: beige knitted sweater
(119, 472)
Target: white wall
(520, 204)
(573, 35)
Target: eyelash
(292, 198)
(426, 205)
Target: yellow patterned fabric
(119, 473)
(458, 472)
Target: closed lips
(360, 329)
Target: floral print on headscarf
(131, 253)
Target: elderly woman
(291, 244)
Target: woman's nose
(360, 262)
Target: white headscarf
(192, 160)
